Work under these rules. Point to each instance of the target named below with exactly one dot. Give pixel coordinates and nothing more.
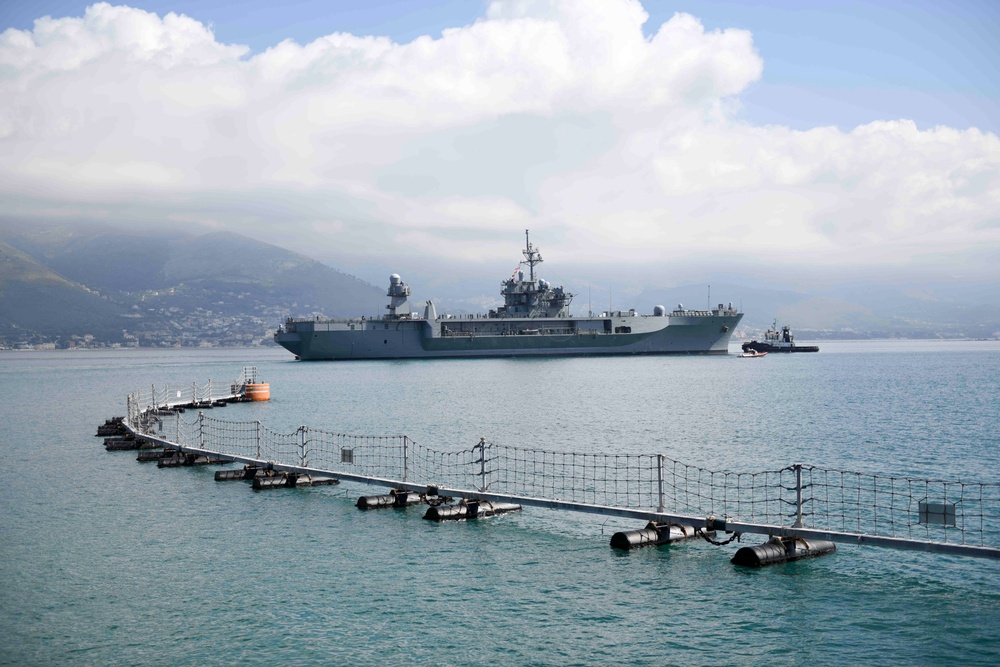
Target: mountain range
(68, 285)
(91, 285)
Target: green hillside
(60, 281)
(38, 305)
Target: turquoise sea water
(106, 561)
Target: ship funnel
(430, 313)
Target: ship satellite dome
(659, 311)
(394, 279)
(542, 283)
(680, 306)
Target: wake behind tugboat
(534, 321)
(778, 342)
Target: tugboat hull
(764, 347)
(778, 341)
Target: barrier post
(482, 464)
(798, 495)
(659, 481)
(302, 447)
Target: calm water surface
(106, 561)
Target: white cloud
(542, 114)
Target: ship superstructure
(533, 321)
(531, 297)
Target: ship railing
(143, 405)
(956, 517)
(524, 331)
(700, 313)
(291, 322)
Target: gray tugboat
(775, 341)
(534, 321)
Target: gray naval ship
(534, 321)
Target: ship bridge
(532, 297)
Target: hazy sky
(847, 137)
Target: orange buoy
(258, 391)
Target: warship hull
(706, 333)
(534, 321)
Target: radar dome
(394, 279)
(659, 311)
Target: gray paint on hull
(408, 340)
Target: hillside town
(168, 328)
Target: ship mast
(531, 256)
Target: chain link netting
(820, 498)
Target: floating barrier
(654, 534)
(180, 459)
(244, 473)
(279, 482)
(376, 502)
(121, 444)
(882, 511)
(310, 480)
(469, 509)
(172, 460)
(112, 427)
(149, 455)
(129, 444)
(782, 550)
(395, 498)
(291, 480)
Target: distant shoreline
(276, 348)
